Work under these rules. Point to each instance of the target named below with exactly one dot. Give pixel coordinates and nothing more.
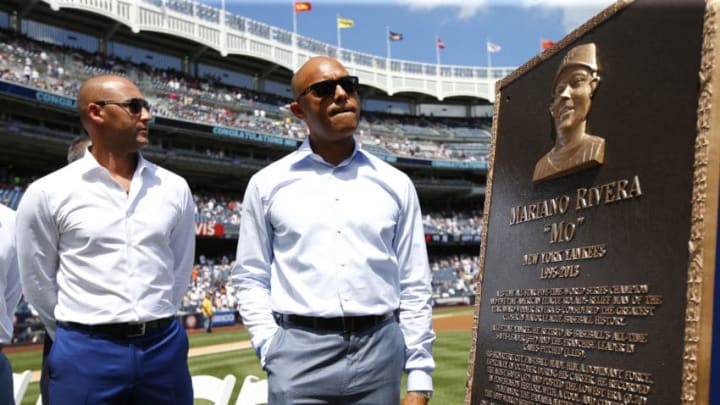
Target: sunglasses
(134, 105)
(326, 88)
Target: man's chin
(142, 142)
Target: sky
(464, 26)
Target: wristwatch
(426, 394)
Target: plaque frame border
(697, 340)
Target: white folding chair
(254, 391)
(20, 384)
(213, 389)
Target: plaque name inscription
(515, 378)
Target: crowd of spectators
(217, 208)
(454, 276)
(174, 94)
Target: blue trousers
(6, 381)
(87, 368)
(312, 367)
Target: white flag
(492, 48)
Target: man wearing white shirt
(332, 271)
(9, 297)
(105, 255)
(76, 150)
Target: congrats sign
(598, 260)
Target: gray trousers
(307, 366)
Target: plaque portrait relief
(574, 85)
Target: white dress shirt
(326, 241)
(90, 253)
(9, 276)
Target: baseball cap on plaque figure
(574, 85)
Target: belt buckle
(140, 331)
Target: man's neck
(335, 152)
(120, 165)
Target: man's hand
(413, 398)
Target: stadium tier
(221, 114)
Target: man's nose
(145, 114)
(340, 93)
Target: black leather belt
(339, 324)
(122, 330)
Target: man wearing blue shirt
(332, 268)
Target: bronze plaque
(598, 256)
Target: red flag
(440, 44)
(546, 43)
(301, 6)
(395, 36)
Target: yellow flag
(345, 23)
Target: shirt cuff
(419, 380)
(262, 352)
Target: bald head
(102, 87)
(313, 71)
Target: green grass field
(451, 353)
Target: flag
(545, 44)
(345, 23)
(394, 36)
(492, 48)
(301, 6)
(440, 44)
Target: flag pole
(222, 13)
(387, 39)
(437, 49)
(294, 18)
(339, 41)
(487, 49)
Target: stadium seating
(207, 100)
(20, 384)
(213, 389)
(254, 391)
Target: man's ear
(94, 113)
(297, 110)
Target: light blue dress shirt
(329, 241)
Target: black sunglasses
(326, 88)
(134, 105)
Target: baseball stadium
(219, 86)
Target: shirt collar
(88, 163)
(305, 152)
